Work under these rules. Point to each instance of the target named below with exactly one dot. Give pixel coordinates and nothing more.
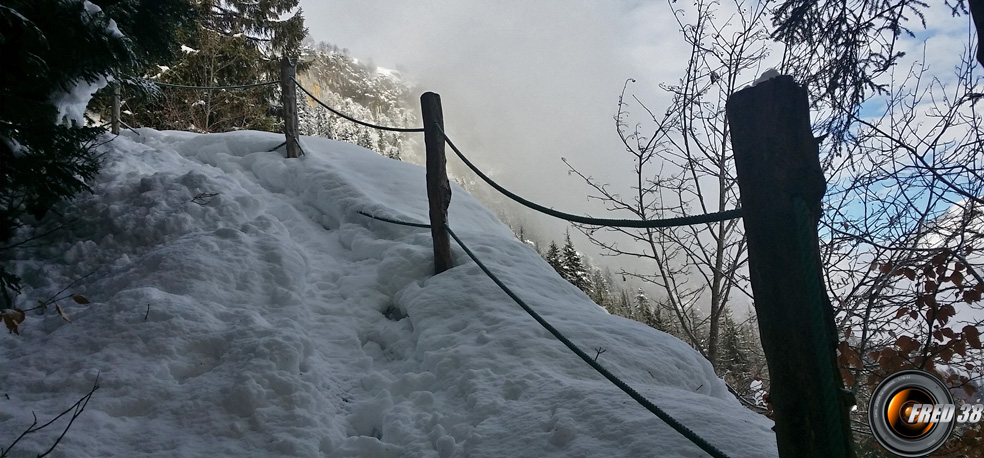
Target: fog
(522, 83)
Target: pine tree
(211, 59)
(741, 360)
(734, 347)
(649, 313)
(259, 22)
(553, 258)
(623, 306)
(573, 268)
(235, 42)
(601, 286)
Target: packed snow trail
(271, 319)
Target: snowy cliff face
(240, 306)
(372, 94)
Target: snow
(271, 319)
(389, 73)
(188, 50)
(766, 76)
(71, 104)
(94, 10)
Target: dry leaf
(945, 313)
(906, 344)
(80, 299)
(969, 389)
(959, 347)
(957, 279)
(61, 313)
(946, 354)
(972, 336)
(12, 318)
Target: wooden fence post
(438, 187)
(115, 129)
(781, 184)
(288, 96)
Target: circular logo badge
(911, 413)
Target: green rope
(805, 233)
(393, 221)
(672, 422)
(240, 86)
(361, 123)
(668, 222)
(277, 147)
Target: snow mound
(241, 306)
(766, 76)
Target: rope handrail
(393, 221)
(235, 86)
(655, 223)
(662, 415)
(361, 123)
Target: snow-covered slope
(274, 320)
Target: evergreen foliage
(233, 43)
(259, 22)
(150, 26)
(741, 360)
(572, 267)
(553, 258)
(212, 59)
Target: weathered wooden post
(288, 96)
(438, 187)
(115, 126)
(781, 184)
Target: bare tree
(903, 228)
(682, 166)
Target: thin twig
(76, 410)
(79, 407)
(55, 297)
(59, 227)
